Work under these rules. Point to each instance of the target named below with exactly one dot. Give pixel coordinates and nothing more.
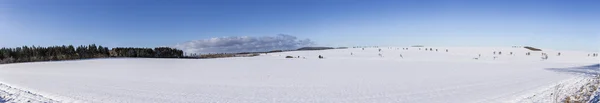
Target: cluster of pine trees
(159, 52)
(53, 53)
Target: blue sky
(557, 24)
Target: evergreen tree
(37, 53)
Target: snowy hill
(344, 75)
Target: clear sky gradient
(556, 24)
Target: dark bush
(532, 48)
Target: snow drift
(11, 94)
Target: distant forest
(55, 53)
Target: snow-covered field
(419, 77)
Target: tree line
(64, 52)
(159, 52)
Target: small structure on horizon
(417, 46)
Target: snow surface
(420, 76)
(10, 94)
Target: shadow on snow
(590, 70)
(2, 100)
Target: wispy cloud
(243, 44)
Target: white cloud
(243, 44)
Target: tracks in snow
(10, 94)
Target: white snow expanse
(419, 77)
